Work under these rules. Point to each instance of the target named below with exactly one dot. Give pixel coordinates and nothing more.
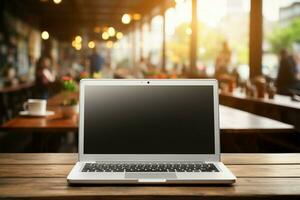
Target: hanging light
(105, 35)
(57, 1)
(111, 31)
(78, 39)
(126, 19)
(119, 35)
(91, 44)
(74, 43)
(45, 35)
(78, 46)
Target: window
(156, 38)
(178, 33)
(281, 31)
(137, 43)
(146, 40)
(122, 52)
(223, 36)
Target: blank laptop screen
(148, 120)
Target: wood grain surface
(71, 158)
(262, 176)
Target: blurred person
(43, 77)
(223, 60)
(236, 76)
(297, 60)
(287, 78)
(96, 62)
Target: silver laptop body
(149, 132)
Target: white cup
(35, 106)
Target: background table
(260, 176)
(280, 108)
(240, 131)
(231, 120)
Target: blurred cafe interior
(251, 46)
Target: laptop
(149, 132)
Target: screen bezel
(150, 157)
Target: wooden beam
(256, 34)
(194, 38)
(134, 47)
(142, 38)
(163, 56)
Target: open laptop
(149, 132)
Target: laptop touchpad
(151, 175)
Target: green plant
(284, 38)
(69, 85)
(69, 102)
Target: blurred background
(251, 46)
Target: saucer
(26, 113)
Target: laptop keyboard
(154, 167)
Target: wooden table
(279, 100)
(238, 121)
(231, 120)
(237, 127)
(260, 176)
(280, 108)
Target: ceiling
(72, 17)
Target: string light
(126, 19)
(78, 46)
(57, 1)
(111, 31)
(45, 35)
(91, 44)
(119, 35)
(78, 39)
(105, 35)
(76, 43)
(73, 43)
